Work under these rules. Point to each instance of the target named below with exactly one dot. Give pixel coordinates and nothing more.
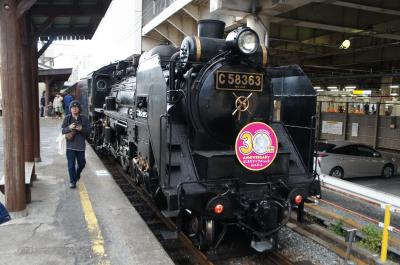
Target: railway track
(181, 250)
(328, 213)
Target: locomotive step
(174, 146)
(169, 214)
(173, 165)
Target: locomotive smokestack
(211, 28)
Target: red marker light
(298, 199)
(219, 208)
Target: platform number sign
(256, 146)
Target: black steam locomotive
(172, 118)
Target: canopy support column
(27, 88)
(35, 98)
(13, 123)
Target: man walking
(75, 127)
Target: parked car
(348, 160)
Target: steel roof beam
(369, 8)
(344, 29)
(353, 51)
(385, 53)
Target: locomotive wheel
(208, 233)
(201, 230)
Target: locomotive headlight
(248, 42)
(243, 40)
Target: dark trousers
(79, 157)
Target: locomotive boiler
(198, 128)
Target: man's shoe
(72, 186)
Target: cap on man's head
(75, 104)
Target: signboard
(256, 146)
(238, 81)
(332, 127)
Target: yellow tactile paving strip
(95, 234)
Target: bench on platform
(29, 166)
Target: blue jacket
(67, 101)
(78, 142)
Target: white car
(349, 160)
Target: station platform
(93, 224)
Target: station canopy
(66, 19)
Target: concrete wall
(389, 137)
(337, 117)
(366, 128)
(381, 133)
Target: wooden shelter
(22, 24)
(50, 77)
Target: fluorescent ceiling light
(345, 45)
(362, 92)
(350, 87)
(332, 87)
(320, 90)
(334, 90)
(394, 86)
(317, 87)
(394, 94)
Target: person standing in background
(366, 108)
(67, 101)
(42, 103)
(58, 105)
